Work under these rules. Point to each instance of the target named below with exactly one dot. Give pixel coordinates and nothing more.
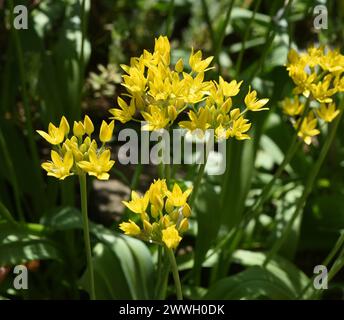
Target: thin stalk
(247, 32)
(308, 188)
(325, 263)
(174, 267)
(159, 272)
(222, 34)
(169, 21)
(82, 53)
(197, 183)
(208, 21)
(87, 241)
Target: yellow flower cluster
(160, 93)
(318, 76)
(78, 154)
(218, 113)
(163, 214)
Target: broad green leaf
(134, 258)
(292, 277)
(17, 245)
(253, 283)
(206, 206)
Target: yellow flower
(308, 129)
(59, 167)
(137, 204)
(88, 125)
(106, 131)
(252, 103)
(55, 135)
(197, 121)
(292, 107)
(170, 237)
(327, 113)
(230, 89)
(321, 91)
(126, 112)
(78, 129)
(179, 66)
(239, 128)
(130, 228)
(98, 165)
(156, 119)
(177, 197)
(196, 63)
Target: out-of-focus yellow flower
(78, 129)
(171, 237)
(318, 75)
(327, 112)
(77, 155)
(97, 165)
(106, 131)
(163, 214)
(239, 128)
(292, 107)
(308, 129)
(254, 104)
(59, 167)
(88, 125)
(130, 228)
(196, 63)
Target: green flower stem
(197, 183)
(169, 22)
(325, 263)
(83, 19)
(247, 32)
(174, 267)
(222, 34)
(159, 272)
(308, 188)
(87, 241)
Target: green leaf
(292, 277)
(134, 259)
(206, 205)
(253, 283)
(18, 245)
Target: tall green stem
(87, 241)
(308, 188)
(174, 267)
(197, 183)
(247, 32)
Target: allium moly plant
(318, 77)
(79, 155)
(158, 92)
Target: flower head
(77, 155)
(163, 214)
